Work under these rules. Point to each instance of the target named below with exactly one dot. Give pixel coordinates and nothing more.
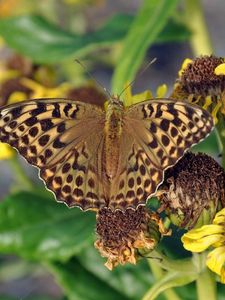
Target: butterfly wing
(64, 139)
(156, 134)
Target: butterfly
(93, 158)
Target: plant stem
(206, 286)
(181, 265)
(169, 294)
(205, 278)
(200, 40)
(22, 180)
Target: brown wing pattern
(159, 131)
(64, 139)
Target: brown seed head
(198, 77)
(87, 94)
(122, 234)
(193, 190)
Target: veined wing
(156, 134)
(64, 139)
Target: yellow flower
(202, 81)
(198, 240)
(8, 7)
(130, 99)
(6, 152)
(84, 2)
(15, 87)
(40, 91)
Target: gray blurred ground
(164, 70)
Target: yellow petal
(127, 95)
(215, 111)
(222, 275)
(220, 69)
(220, 217)
(30, 84)
(130, 99)
(40, 91)
(7, 74)
(208, 102)
(221, 242)
(185, 63)
(216, 261)
(16, 97)
(6, 152)
(197, 240)
(161, 91)
(2, 42)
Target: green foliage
(171, 279)
(148, 23)
(35, 227)
(79, 283)
(45, 42)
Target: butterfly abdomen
(113, 131)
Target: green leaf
(131, 280)
(170, 280)
(79, 284)
(44, 42)
(150, 20)
(173, 32)
(209, 145)
(34, 227)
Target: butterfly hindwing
(63, 138)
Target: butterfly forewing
(159, 132)
(64, 139)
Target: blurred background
(39, 42)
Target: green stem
(22, 180)
(206, 286)
(200, 40)
(205, 278)
(180, 265)
(157, 272)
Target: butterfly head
(116, 102)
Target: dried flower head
(199, 77)
(202, 81)
(121, 235)
(193, 190)
(14, 74)
(89, 94)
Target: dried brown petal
(87, 94)
(121, 235)
(9, 87)
(196, 183)
(198, 77)
(21, 64)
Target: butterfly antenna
(133, 81)
(91, 76)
